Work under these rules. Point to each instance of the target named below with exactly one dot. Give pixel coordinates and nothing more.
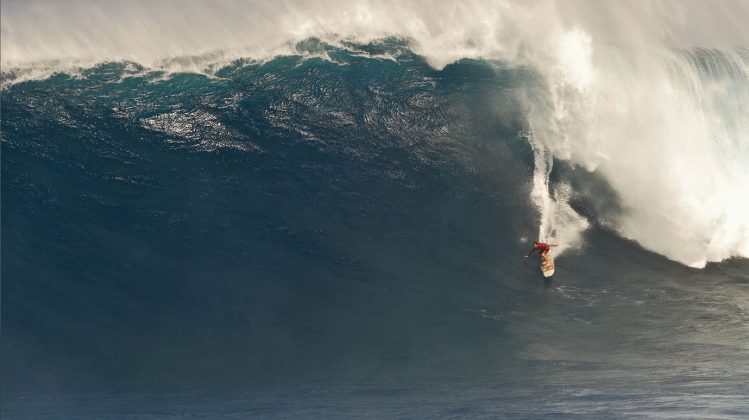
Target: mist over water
(650, 95)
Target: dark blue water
(328, 238)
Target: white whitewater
(559, 223)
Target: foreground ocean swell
(328, 237)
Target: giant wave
(651, 97)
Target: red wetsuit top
(541, 247)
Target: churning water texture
(325, 215)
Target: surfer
(542, 248)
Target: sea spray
(559, 224)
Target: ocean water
(336, 229)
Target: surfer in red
(542, 248)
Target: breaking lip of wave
(207, 64)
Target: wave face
(256, 210)
(268, 212)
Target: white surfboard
(547, 267)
